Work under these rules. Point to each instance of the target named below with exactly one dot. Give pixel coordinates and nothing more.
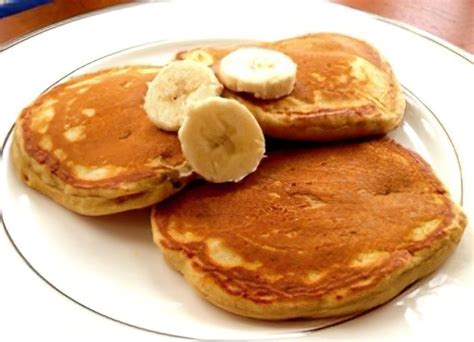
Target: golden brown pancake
(314, 232)
(344, 89)
(89, 145)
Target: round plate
(110, 266)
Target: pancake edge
(93, 201)
(421, 264)
(327, 126)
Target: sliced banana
(176, 87)
(267, 74)
(221, 140)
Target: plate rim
(465, 55)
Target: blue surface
(15, 6)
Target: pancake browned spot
(344, 88)
(314, 232)
(89, 145)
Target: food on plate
(316, 231)
(265, 73)
(344, 88)
(89, 145)
(311, 230)
(221, 140)
(175, 88)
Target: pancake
(89, 145)
(314, 232)
(344, 89)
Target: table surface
(452, 20)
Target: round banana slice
(177, 86)
(267, 74)
(221, 140)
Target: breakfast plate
(62, 271)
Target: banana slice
(176, 87)
(221, 140)
(267, 74)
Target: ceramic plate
(62, 271)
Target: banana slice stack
(220, 138)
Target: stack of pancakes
(322, 228)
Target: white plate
(103, 274)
